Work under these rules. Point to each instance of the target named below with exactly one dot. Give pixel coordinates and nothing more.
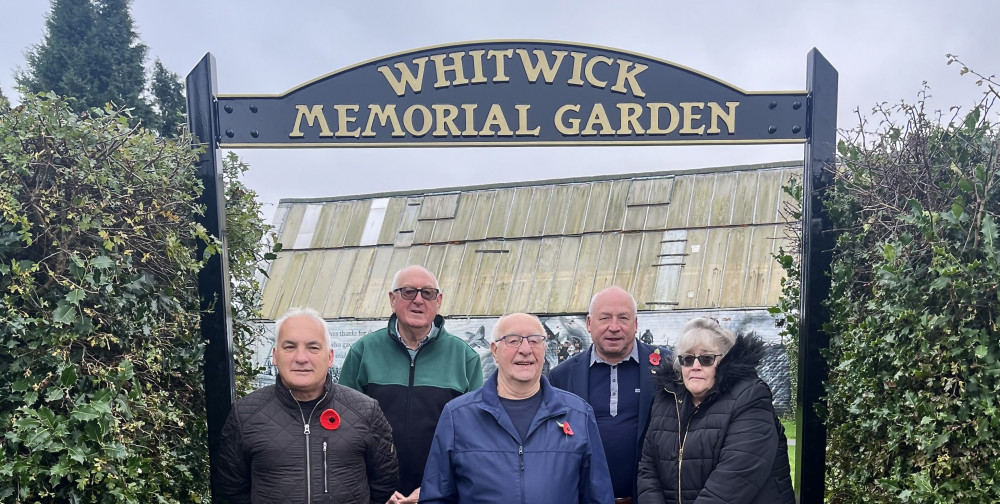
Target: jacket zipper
(305, 430)
(682, 441)
(326, 488)
(405, 438)
(308, 468)
(409, 398)
(520, 454)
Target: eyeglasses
(410, 293)
(705, 360)
(514, 340)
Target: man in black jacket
(305, 439)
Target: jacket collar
(737, 365)
(286, 398)
(491, 398)
(551, 405)
(438, 323)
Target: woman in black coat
(713, 436)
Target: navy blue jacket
(477, 455)
(573, 374)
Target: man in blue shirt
(614, 376)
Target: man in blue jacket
(614, 377)
(517, 439)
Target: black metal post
(817, 245)
(213, 280)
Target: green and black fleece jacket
(412, 392)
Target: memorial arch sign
(523, 93)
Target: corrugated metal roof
(696, 239)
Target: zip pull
(520, 453)
(306, 432)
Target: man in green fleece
(413, 367)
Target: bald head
(519, 319)
(612, 292)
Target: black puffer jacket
(734, 449)
(269, 456)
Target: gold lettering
(573, 127)
(408, 120)
(625, 74)
(496, 118)
(548, 71)
(654, 118)
(344, 120)
(406, 77)
(470, 109)
(589, 71)
(312, 115)
(455, 66)
(499, 56)
(729, 118)
(598, 116)
(477, 66)
(690, 116)
(445, 116)
(578, 57)
(384, 116)
(630, 114)
(522, 121)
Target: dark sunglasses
(705, 360)
(410, 293)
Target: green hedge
(914, 306)
(100, 354)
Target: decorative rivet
(253, 108)
(230, 133)
(255, 133)
(772, 105)
(229, 108)
(796, 128)
(772, 129)
(796, 105)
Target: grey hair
(301, 312)
(635, 306)
(395, 278)
(703, 331)
(495, 333)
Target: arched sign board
(524, 93)
(511, 93)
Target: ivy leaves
(914, 308)
(100, 352)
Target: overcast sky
(883, 51)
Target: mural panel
(567, 335)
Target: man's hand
(398, 498)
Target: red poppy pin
(329, 419)
(654, 358)
(565, 428)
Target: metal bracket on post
(817, 245)
(213, 279)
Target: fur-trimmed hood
(739, 364)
